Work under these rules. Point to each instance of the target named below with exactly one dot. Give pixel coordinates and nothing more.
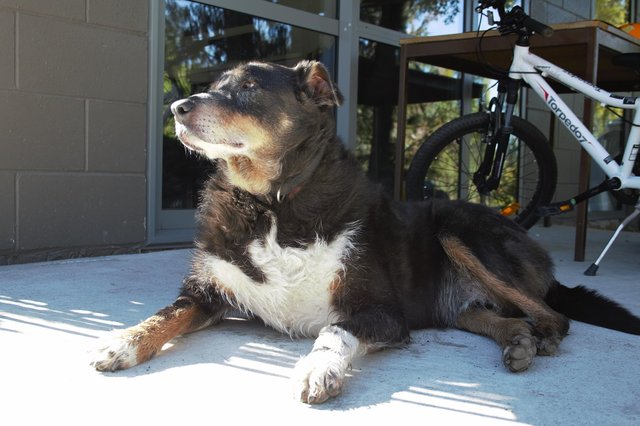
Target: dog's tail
(585, 305)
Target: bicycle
(501, 160)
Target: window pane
(202, 41)
(319, 7)
(416, 17)
(377, 100)
(434, 99)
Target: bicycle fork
(487, 178)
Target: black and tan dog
(291, 231)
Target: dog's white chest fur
(296, 295)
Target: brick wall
(73, 127)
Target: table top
(594, 24)
(568, 48)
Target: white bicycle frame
(533, 70)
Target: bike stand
(591, 270)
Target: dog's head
(269, 123)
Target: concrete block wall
(565, 147)
(73, 127)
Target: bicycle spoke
(453, 171)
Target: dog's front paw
(116, 353)
(319, 376)
(519, 355)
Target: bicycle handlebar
(515, 20)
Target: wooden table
(584, 48)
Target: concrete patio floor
(52, 313)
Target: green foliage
(615, 12)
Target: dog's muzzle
(182, 108)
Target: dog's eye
(247, 85)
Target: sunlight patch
(105, 322)
(457, 402)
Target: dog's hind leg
(139, 343)
(547, 326)
(514, 335)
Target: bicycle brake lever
(490, 19)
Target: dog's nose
(182, 107)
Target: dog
(291, 231)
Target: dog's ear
(316, 83)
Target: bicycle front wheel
(445, 164)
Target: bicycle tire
(528, 178)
